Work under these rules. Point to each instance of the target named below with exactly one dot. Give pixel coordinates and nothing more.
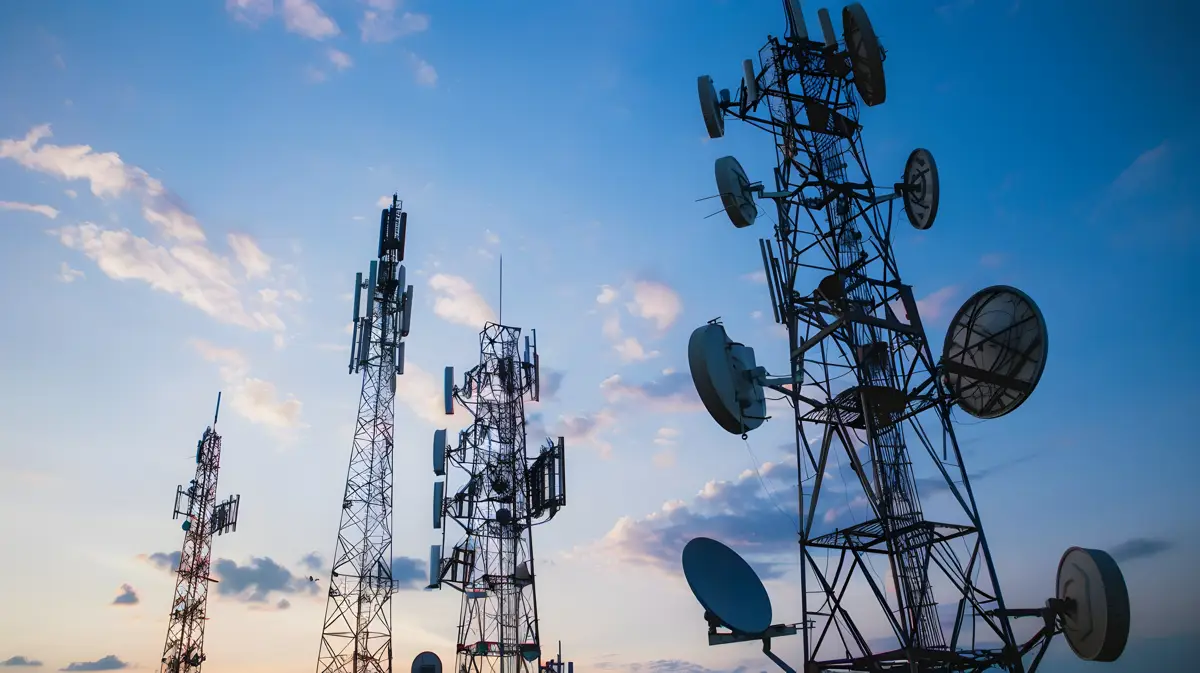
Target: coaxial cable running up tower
(357, 632)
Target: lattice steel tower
(202, 519)
(863, 372)
(506, 492)
(357, 633)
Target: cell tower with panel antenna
(505, 491)
(863, 375)
(357, 632)
(203, 518)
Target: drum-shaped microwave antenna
(921, 197)
(726, 586)
(995, 351)
(427, 662)
(710, 107)
(736, 195)
(723, 373)
(866, 56)
(1096, 611)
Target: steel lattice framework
(506, 492)
(203, 518)
(871, 391)
(357, 632)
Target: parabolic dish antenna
(721, 372)
(866, 57)
(995, 351)
(726, 586)
(736, 195)
(1096, 619)
(427, 662)
(710, 107)
(921, 202)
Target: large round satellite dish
(995, 351)
(721, 372)
(736, 196)
(710, 107)
(1096, 619)
(726, 586)
(427, 662)
(921, 201)
(866, 57)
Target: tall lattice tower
(872, 402)
(506, 491)
(202, 519)
(357, 632)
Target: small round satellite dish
(187, 525)
(710, 107)
(1096, 619)
(995, 351)
(736, 196)
(427, 662)
(504, 516)
(866, 56)
(726, 586)
(921, 202)
(721, 371)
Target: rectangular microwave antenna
(400, 358)
(400, 234)
(439, 453)
(449, 391)
(827, 27)
(400, 273)
(383, 230)
(435, 566)
(762, 247)
(407, 311)
(364, 342)
(439, 491)
(357, 294)
(796, 18)
(371, 290)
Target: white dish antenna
(866, 56)
(922, 194)
(724, 375)
(726, 586)
(427, 662)
(736, 194)
(1096, 611)
(995, 351)
(710, 107)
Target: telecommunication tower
(202, 519)
(506, 491)
(862, 372)
(357, 632)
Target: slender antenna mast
(501, 317)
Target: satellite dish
(921, 202)
(735, 191)
(710, 107)
(722, 373)
(726, 586)
(995, 351)
(427, 662)
(866, 56)
(1096, 615)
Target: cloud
(670, 392)
(380, 22)
(46, 211)
(663, 666)
(425, 74)
(423, 393)
(68, 275)
(254, 399)
(657, 302)
(550, 384)
(164, 561)
(629, 349)
(666, 436)
(759, 276)
(257, 580)
(127, 596)
(70, 193)
(457, 301)
(313, 562)
(410, 573)
(586, 429)
(252, 12)
(107, 663)
(1137, 548)
(1144, 170)
(930, 307)
(20, 661)
(255, 262)
(305, 17)
(340, 59)
(607, 295)
(491, 237)
(283, 604)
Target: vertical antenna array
(869, 393)
(202, 519)
(505, 492)
(357, 632)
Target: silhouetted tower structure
(357, 632)
(506, 491)
(202, 519)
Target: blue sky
(187, 189)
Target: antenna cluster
(862, 373)
(505, 492)
(203, 518)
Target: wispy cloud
(108, 663)
(306, 18)
(657, 302)
(424, 73)
(607, 295)
(457, 301)
(127, 596)
(20, 661)
(383, 22)
(340, 59)
(587, 429)
(46, 211)
(68, 275)
(252, 12)
(251, 398)
(1139, 547)
(670, 392)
